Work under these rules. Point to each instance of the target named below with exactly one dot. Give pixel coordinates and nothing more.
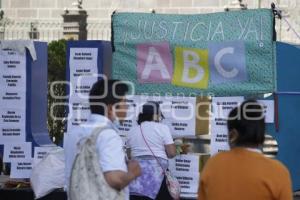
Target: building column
(75, 22)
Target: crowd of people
(243, 173)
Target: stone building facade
(47, 14)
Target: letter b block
(191, 68)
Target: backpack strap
(96, 132)
(92, 138)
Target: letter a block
(154, 63)
(191, 68)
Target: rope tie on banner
(278, 13)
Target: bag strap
(151, 150)
(96, 132)
(93, 136)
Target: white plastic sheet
(49, 174)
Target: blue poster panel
(287, 133)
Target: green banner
(226, 53)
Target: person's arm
(112, 160)
(170, 150)
(170, 147)
(119, 179)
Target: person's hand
(185, 148)
(134, 168)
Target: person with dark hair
(107, 105)
(151, 143)
(244, 172)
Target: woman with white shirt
(151, 144)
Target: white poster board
(179, 113)
(12, 96)
(13, 70)
(83, 70)
(180, 116)
(221, 107)
(133, 101)
(21, 169)
(83, 63)
(184, 163)
(189, 182)
(186, 169)
(79, 113)
(40, 153)
(14, 152)
(268, 110)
